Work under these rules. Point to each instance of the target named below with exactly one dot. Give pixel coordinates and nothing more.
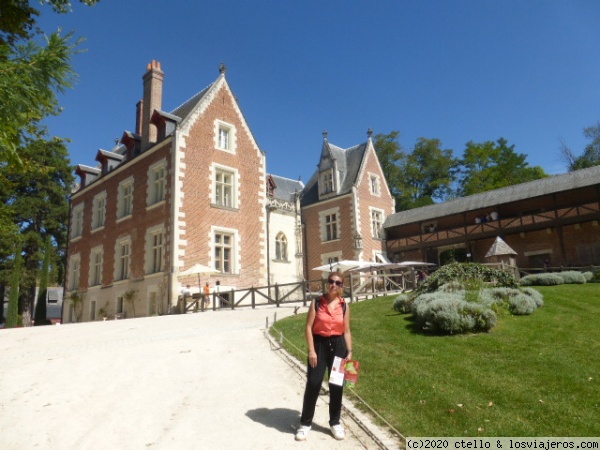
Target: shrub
(541, 279)
(450, 313)
(403, 303)
(572, 277)
(589, 276)
(537, 296)
(466, 273)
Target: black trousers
(326, 348)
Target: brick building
(552, 221)
(344, 206)
(185, 187)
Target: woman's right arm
(310, 320)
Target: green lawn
(536, 375)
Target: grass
(534, 375)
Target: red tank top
(328, 323)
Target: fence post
(352, 288)
(232, 299)
(253, 296)
(304, 285)
(276, 295)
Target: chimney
(138, 117)
(153, 84)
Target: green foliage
(553, 278)
(403, 303)
(491, 165)
(417, 178)
(572, 277)
(589, 276)
(466, 273)
(591, 153)
(31, 74)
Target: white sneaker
(302, 432)
(338, 431)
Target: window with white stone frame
(224, 247)
(155, 247)
(122, 258)
(326, 182)
(74, 272)
(375, 184)
(329, 224)
(281, 247)
(157, 183)
(125, 198)
(99, 211)
(377, 218)
(225, 186)
(225, 136)
(77, 221)
(96, 263)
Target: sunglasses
(336, 282)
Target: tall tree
(591, 153)
(491, 165)
(389, 152)
(427, 174)
(31, 74)
(40, 308)
(37, 197)
(12, 315)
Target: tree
(427, 174)
(12, 315)
(491, 165)
(418, 178)
(36, 197)
(31, 74)
(130, 297)
(390, 152)
(591, 152)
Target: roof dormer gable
(108, 160)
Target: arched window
(281, 247)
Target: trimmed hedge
(541, 279)
(465, 273)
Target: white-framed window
(155, 249)
(77, 220)
(99, 211)
(224, 246)
(125, 198)
(281, 247)
(74, 272)
(377, 223)
(225, 136)
(375, 184)
(157, 182)
(329, 222)
(326, 184)
(225, 186)
(96, 263)
(122, 258)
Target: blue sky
(462, 70)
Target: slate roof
(286, 188)
(537, 188)
(349, 162)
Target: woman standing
(327, 335)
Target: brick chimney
(153, 86)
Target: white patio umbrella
(369, 267)
(198, 269)
(341, 266)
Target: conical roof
(499, 247)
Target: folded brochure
(344, 370)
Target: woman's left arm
(347, 332)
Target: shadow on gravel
(282, 419)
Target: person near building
(327, 335)
(207, 294)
